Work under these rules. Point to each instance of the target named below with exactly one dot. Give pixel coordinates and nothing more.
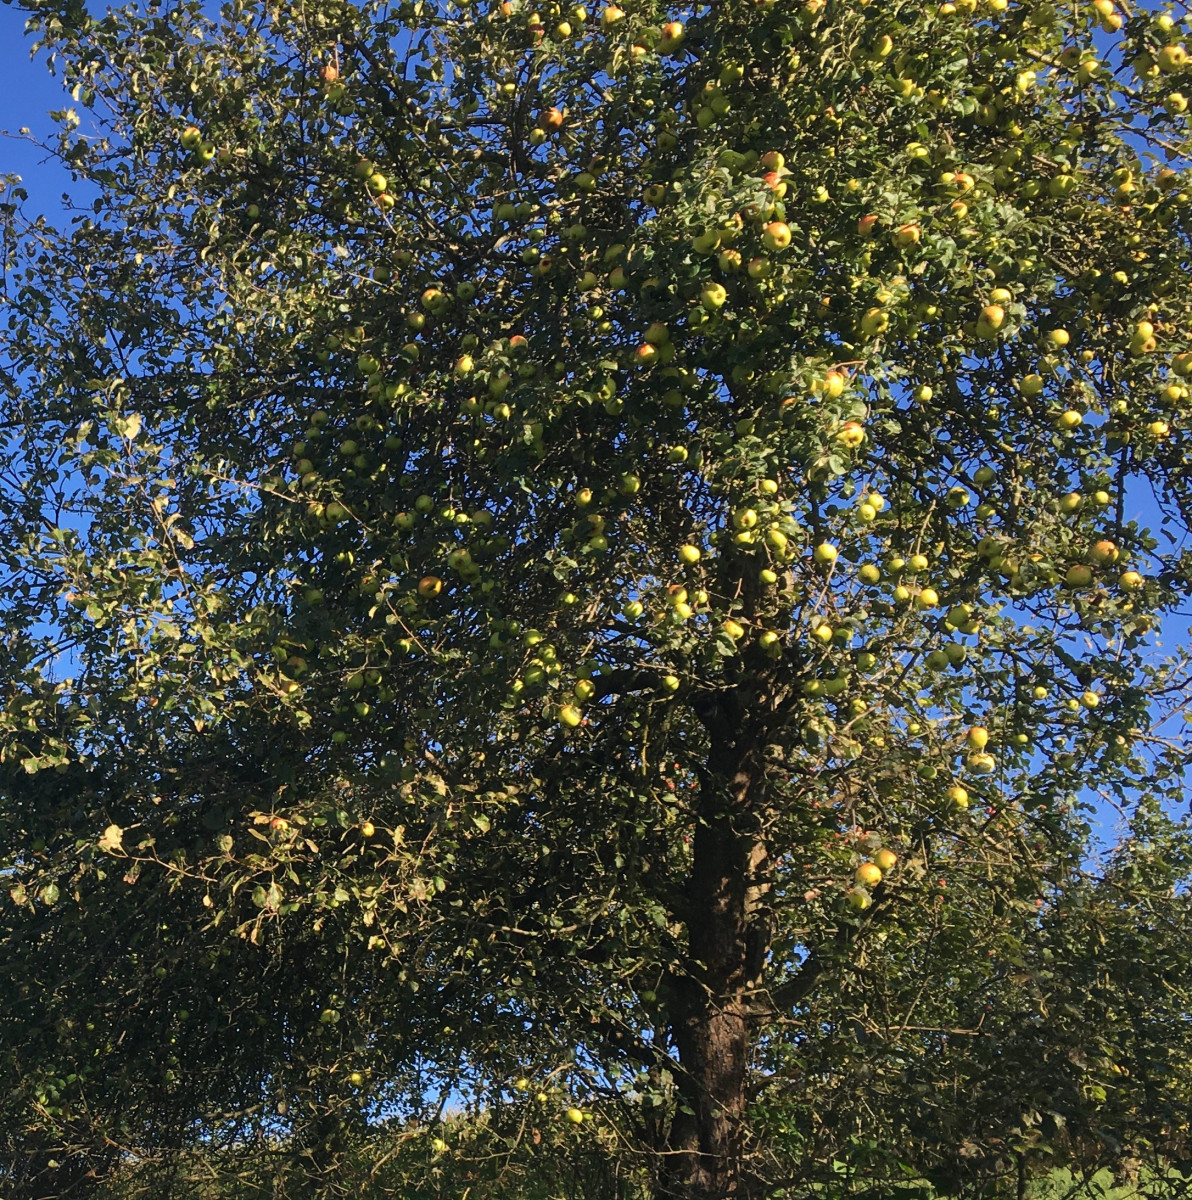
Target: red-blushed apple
(671, 37)
(851, 434)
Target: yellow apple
(868, 874)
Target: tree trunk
(711, 1022)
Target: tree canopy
(570, 578)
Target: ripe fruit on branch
(868, 874)
(550, 120)
(713, 296)
(907, 235)
(825, 553)
(191, 137)
(991, 320)
(1104, 552)
(671, 37)
(886, 860)
(429, 586)
(1142, 341)
(776, 235)
(570, 715)
(875, 321)
(436, 301)
(851, 434)
(1172, 59)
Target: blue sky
(27, 94)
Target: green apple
(713, 296)
(776, 235)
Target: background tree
(590, 555)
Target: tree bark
(711, 1023)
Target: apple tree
(540, 542)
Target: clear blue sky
(27, 94)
